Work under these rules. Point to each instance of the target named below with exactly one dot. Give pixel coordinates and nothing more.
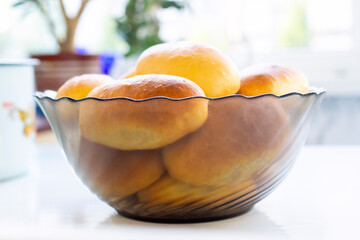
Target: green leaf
(22, 2)
(169, 4)
(19, 3)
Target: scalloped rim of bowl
(46, 95)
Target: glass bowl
(238, 155)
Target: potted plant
(140, 27)
(55, 69)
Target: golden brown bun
(150, 124)
(278, 80)
(239, 139)
(113, 173)
(79, 87)
(174, 193)
(213, 71)
(168, 190)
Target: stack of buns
(181, 146)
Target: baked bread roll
(168, 190)
(209, 68)
(240, 138)
(115, 174)
(138, 125)
(79, 87)
(172, 193)
(68, 111)
(278, 80)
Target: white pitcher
(17, 116)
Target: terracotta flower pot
(54, 70)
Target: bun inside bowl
(239, 153)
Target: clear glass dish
(245, 148)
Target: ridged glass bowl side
(240, 153)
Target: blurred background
(322, 38)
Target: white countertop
(320, 199)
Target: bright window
(268, 25)
(321, 37)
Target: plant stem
(67, 44)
